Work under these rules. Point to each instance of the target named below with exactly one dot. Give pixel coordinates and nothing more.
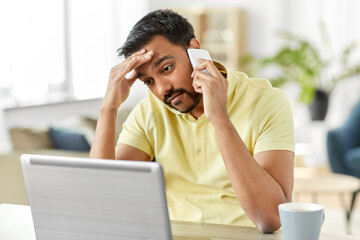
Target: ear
(194, 43)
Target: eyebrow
(156, 64)
(160, 60)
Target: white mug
(301, 221)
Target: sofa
(12, 185)
(58, 140)
(343, 146)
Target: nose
(163, 87)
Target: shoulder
(149, 109)
(241, 79)
(256, 95)
(142, 112)
(248, 91)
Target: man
(225, 141)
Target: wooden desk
(16, 224)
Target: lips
(173, 97)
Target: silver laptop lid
(80, 198)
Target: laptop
(81, 198)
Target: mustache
(172, 93)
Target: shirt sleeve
(135, 129)
(275, 123)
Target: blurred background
(55, 59)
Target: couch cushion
(30, 138)
(352, 159)
(68, 139)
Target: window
(60, 49)
(93, 46)
(96, 32)
(32, 47)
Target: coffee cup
(301, 221)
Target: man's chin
(186, 104)
(179, 108)
(186, 109)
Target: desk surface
(16, 224)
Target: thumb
(131, 78)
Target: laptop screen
(80, 198)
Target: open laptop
(80, 198)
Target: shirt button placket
(200, 146)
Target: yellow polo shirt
(197, 184)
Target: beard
(194, 96)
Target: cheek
(183, 78)
(155, 92)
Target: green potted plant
(299, 61)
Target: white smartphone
(194, 55)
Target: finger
(198, 85)
(203, 76)
(208, 65)
(207, 82)
(129, 60)
(140, 52)
(141, 59)
(132, 78)
(130, 75)
(129, 65)
(198, 88)
(131, 57)
(196, 71)
(138, 60)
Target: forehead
(159, 43)
(161, 47)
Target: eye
(167, 68)
(148, 81)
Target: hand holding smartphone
(194, 54)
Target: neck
(198, 110)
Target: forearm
(257, 191)
(117, 92)
(104, 140)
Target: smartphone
(194, 55)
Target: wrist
(220, 120)
(108, 109)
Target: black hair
(163, 22)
